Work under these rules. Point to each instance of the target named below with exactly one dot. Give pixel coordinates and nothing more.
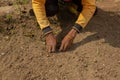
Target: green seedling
(9, 17)
(24, 1)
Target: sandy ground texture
(95, 54)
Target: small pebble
(48, 55)
(2, 54)
(103, 64)
(95, 61)
(60, 66)
(6, 37)
(85, 65)
(21, 47)
(43, 43)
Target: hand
(51, 42)
(68, 40)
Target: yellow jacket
(89, 7)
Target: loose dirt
(94, 55)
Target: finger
(53, 48)
(49, 49)
(65, 46)
(61, 47)
(69, 46)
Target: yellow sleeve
(89, 7)
(39, 10)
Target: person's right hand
(51, 42)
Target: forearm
(39, 10)
(88, 10)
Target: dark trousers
(52, 6)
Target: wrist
(73, 33)
(77, 27)
(46, 31)
(49, 34)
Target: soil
(94, 55)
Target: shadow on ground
(104, 24)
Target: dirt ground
(95, 54)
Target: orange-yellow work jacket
(89, 7)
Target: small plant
(9, 17)
(22, 1)
(18, 5)
(25, 1)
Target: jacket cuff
(46, 30)
(77, 27)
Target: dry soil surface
(94, 55)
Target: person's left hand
(68, 40)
